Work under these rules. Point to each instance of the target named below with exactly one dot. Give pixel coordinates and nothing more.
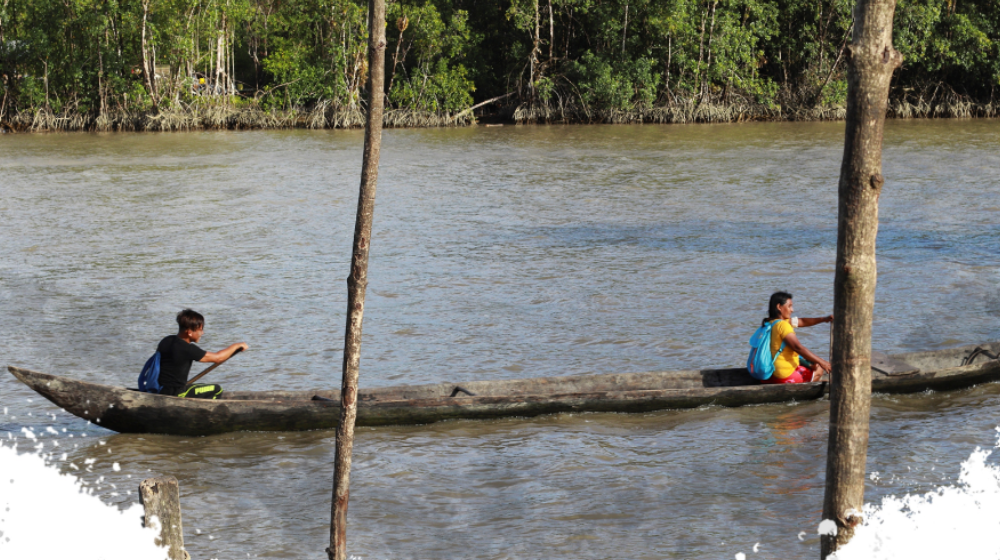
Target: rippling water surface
(497, 253)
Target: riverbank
(326, 116)
(742, 112)
(220, 117)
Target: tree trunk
(708, 65)
(48, 107)
(358, 281)
(840, 55)
(147, 68)
(401, 24)
(670, 54)
(535, 50)
(100, 77)
(625, 30)
(231, 73)
(552, 31)
(3, 78)
(872, 60)
(220, 59)
(701, 51)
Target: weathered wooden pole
(161, 498)
(871, 62)
(358, 281)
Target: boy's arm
(223, 355)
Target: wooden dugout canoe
(129, 411)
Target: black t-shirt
(176, 356)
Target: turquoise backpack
(760, 364)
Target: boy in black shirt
(178, 352)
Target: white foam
(960, 521)
(828, 527)
(87, 528)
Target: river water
(497, 253)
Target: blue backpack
(760, 364)
(149, 379)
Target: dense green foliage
(92, 56)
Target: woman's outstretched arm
(810, 321)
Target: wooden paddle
(210, 368)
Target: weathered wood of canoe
(125, 410)
(685, 379)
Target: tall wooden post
(357, 282)
(871, 62)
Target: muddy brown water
(497, 253)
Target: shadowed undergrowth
(740, 112)
(326, 116)
(219, 116)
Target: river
(497, 253)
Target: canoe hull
(128, 411)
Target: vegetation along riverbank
(185, 64)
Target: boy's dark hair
(777, 298)
(190, 320)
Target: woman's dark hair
(189, 320)
(777, 298)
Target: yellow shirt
(785, 364)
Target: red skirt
(801, 374)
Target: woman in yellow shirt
(787, 367)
